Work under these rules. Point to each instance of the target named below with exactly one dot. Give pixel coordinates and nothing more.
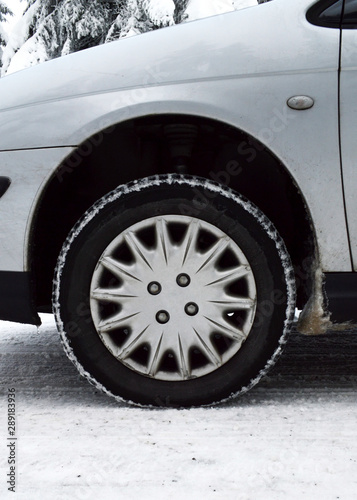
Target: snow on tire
(173, 291)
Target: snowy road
(292, 437)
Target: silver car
(173, 197)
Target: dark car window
(350, 14)
(326, 13)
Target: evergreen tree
(53, 28)
(4, 10)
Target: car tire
(173, 291)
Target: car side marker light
(300, 102)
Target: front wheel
(173, 291)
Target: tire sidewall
(241, 221)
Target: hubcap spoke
(163, 240)
(116, 322)
(172, 315)
(226, 329)
(111, 295)
(209, 350)
(183, 360)
(214, 252)
(119, 270)
(139, 251)
(227, 277)
(235, 303)
(131, 344)
(187, 246)
(155, 357)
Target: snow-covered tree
(4, 10)
(53, 28)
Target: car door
(348, 118)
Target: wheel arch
(141, 147)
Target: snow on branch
(160, 12)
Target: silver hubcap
(173, 297)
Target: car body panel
(28, 170)
(234, 45)
(348, 103)
(234, 68)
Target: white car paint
(28, 170)
(348, 131)
(240, 68)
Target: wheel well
(164, 144)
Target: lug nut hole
(154, 288)
(183, 280)
(162, 317)
(191, 309)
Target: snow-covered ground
(292, 437)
